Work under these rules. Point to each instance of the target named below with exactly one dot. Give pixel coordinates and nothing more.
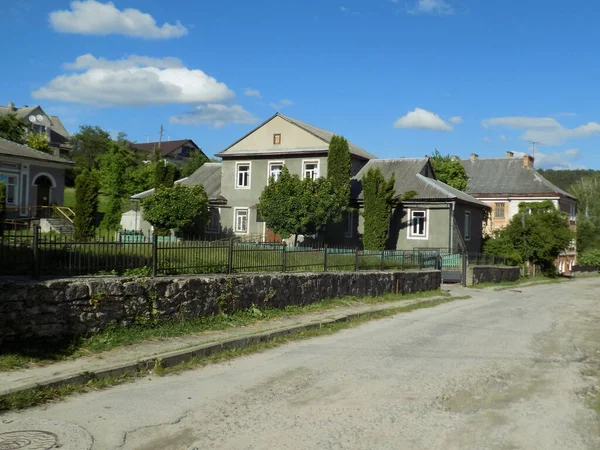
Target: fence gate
(453, 270)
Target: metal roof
(320, 133)
(9, 148)
(208, 175)
(507, 176)
(411, 175)
(166, 147)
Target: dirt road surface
(513, 369)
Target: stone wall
(492, 274)
(61, 309)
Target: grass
(69, 200)
(115, 337)
(529, 281)
(41, 395)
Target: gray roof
(320, 133)
(58, 127)
(208, 175)
(9, 148)
(507, 176)
(412, 175)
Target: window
(11, 188)
(573, 212)
(242, 179)
(349, 224)
(213, 221)
(241, 220)
(311, 169)
(277, 139)
(418, 224)
(499, 211)
(275, 170)
(467, 226)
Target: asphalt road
(505, 370)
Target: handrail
(64, 214)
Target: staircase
(57, 225)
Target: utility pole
(160, 137)
(533, 144)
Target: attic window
(277, 139)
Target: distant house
(209, 176)
(504, 183)
(439, 216)
(34, 180)
(37, 121)
(176, 152)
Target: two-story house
(250, 162)
(37, 121)
(176, 152)
(504, 183)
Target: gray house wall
(474, 243)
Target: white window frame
(235, 220)
(349, 232)
(5, 176)
(269, 163)
(468, 225)
(213, 219)
(237, 174)
(316, 172)
(572, 212)
(496, 216)
(410, 234)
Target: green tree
(165, 173)
(12, 128)
(291, 206)
(179, 208)
(449, 170)
(196, 160)
(538, 234)
(39, 142)
(2, 206)
(339, 167)
(89, 144)
(86, 206)
(379, 198)
(590, 258)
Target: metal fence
(30, 252)
(484, 259)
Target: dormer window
(277, 139)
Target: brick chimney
(474, 157)
(510, 154)
(528, 161)
(11, 107)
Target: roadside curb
(175, 357)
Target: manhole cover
(27, 440)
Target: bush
(590, 258)
(86, 206)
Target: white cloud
(502, 137)
(215, 115)
(282, 104)
(422, 119)
(457, 120)
(556, 160)
(439, 7)
(134, 81)
(545, 130)
(252, 92)
(486, 139)
(93, 17)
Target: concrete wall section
(491, 274)
(60, 309)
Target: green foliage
(165, 173)
(588, 233)
(291, 206)
(564, 179)
(89, 144)
(449, 170)
(86, 206)
(379, 200)
(38, 141)
(590, 258)
(2, 206)
(587, 192)
(196, 160)
(179, 207)
(12, 128)
(408, 195)
(538, 235)
(339, 167)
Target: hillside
(564, 179)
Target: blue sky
(397, 77)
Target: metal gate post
(465, 263)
